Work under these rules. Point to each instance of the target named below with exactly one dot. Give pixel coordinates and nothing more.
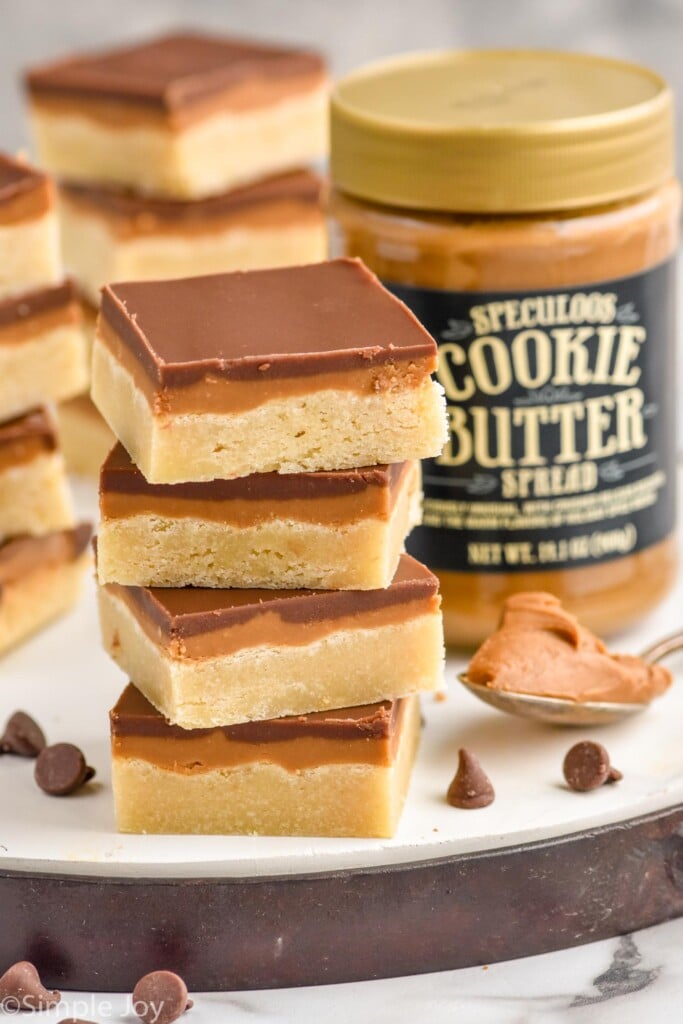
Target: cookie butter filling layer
(367, 735)
(174, 81)
(276, 202)
(541, 649)
(37, 312)
(211, 344)
(194, 623)
(25, 438)
(336, 497)
(25, 193)
(23, 555)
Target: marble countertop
(614, 982)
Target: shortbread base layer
(84, 437)
(95, 256)
(344, 669)
(34, 497)
(265, 799)
(47, 367)
(210, 156)
(160, 551)
(29, 255)
(320, 430)
(29, 603)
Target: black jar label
(561, 450)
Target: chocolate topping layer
(265, 324)
(23, 555)
(35, 303)
(135, 716)
(171, 73)
(16, 177)
(539, 648)
(25, 193)
(32, 433)
(299, 186)
(186, 612)
(120, 475)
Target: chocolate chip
(471, 786)
(61, 769)
(22, 736)
(22, 989)
(587, 767)
(160, 998)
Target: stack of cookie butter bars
(182, 155)
(253, 583)
(42, 359)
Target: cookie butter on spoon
(542, 663)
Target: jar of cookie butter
(523, 205)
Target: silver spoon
(559, 710)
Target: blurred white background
(349, 31)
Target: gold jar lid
(501, 131)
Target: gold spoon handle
(655, 652)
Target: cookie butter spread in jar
(524, 206)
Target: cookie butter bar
(34, 496)
(292, 370)
(29, 244)
(340, 773)
(338, 530)
(118, 236)
(185, 115)
(40, 578)
(209, 657)
(42, 349)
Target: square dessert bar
(341, 530)
(84, 437)
(40, 578)
(292, 370)
(207, 657)
(42, 349)
(34, 496)
(184, 115)
(340, 773)
(120, 236)
(29, 242)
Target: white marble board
(64, 678)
